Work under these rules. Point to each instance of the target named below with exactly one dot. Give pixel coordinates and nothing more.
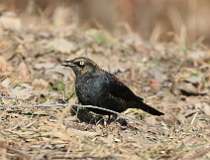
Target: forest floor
(35, 125)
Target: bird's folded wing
(119, 90)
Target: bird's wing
(119, 90)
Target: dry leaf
(62, 45)
(10, 21)
(154, 84)
(5, 68)
(206, 109)
(39, 84)
(4, 91)
(22, 92)
(23, 72)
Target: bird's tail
(145, 107)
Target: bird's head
(81, 65)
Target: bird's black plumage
(97, 87)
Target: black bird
(96, 87)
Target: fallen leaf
(4, 91)
(10, 21)
(23, 72)
(62, 45)
(46, 65)
(154, 84)
(188, 89)
(22, 92)
(58, 86)
(5, 68)
(206, 109)
(39, 84)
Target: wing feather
(119, 90)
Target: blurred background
(162, 20)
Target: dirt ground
(34, 124)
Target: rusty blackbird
(97, 87)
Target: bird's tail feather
(145, 107)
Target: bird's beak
(68, 63)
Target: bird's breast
(90, 89)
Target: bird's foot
(122, 121)
(114, 118)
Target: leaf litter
(173, 81)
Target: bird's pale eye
(81, 63)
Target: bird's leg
(111, 118)
(114, 117)
(108, 121)
(99, 119)
(83, 114)
(120, 120)
(73, 110)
